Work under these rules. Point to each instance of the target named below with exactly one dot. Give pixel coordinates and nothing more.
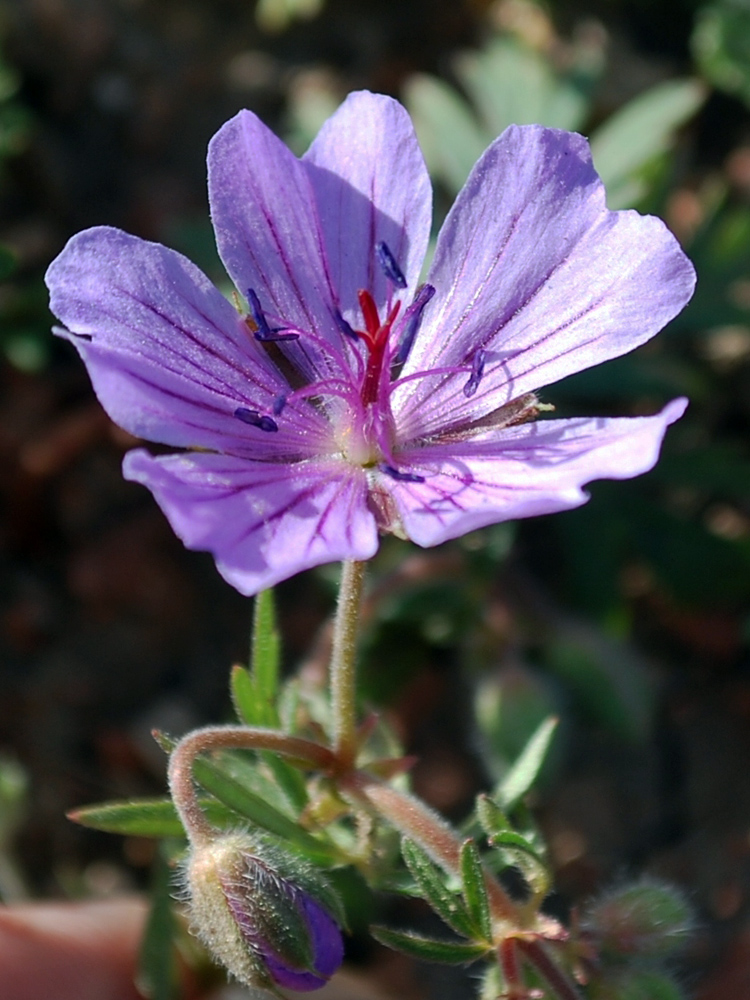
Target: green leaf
(430, 881)
(448, 132)
(427, 949)
(146, 817)
(516, 850)
(512, 85)
(475, 890)
(244, 695)
(254, 691)
(266, 645)
(525, 770)
(240, 799)
(157, 976)
(7, 262)
(491, 817)
(721, 45)
(640, 132)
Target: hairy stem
(343, 662)
(507, 955)
(536, 954)
(416, 820)
(180, 773)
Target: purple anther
(412, 319)
(400, 477)
(344, 327)
(477, 371)
(278, 405)
(256, 419)
(388, 263)
(263, 331)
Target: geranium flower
(342, 398)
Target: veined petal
(532, 267)
(267, 229)
(371, 185)
(262, 521)
(169, 357)
(536, 468)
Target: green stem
(181, 786)
(343, 663)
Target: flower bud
(632, 985)
(263, 914)
(647, 920)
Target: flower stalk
(180, 773)
(343, 663)
(416, 820)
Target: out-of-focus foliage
(721, 43)
(510, 82)
(15, 120)
(22, 339)
(275, 15)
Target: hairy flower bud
(263, 914)
(645, 921)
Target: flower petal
(532, 267)
(371, 185)
(267, 229)
(170, 359)
(262, 521)
(535, 468)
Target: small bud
(632, 985)
(648, 920)
(262, 914)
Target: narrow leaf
(244, 696)
(526, 768)
(427, 949)
(516, 850)
(475, 890)
(265, 655)
(146, 817)
(431, 884)
(256, 809)
(491, 817)
(289, 779)
(157, 964)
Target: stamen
(412, 320)
(344, 327)
(263, 331)
(477, 371)
(278, 405)
(255, 419)
(388, 263)
(400, 477)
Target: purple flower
(346, 398)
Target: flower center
(361, 372)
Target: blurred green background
(629, 617)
